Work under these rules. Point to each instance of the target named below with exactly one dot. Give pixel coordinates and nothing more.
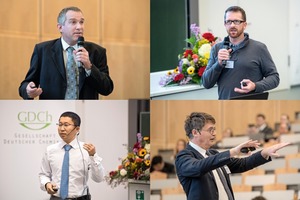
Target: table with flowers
(184, 81)
(188, 91)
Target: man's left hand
(272, 150)
(90, 148)
(246, 86)
(82, 55)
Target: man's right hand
(250, 143)
(32, 90)
(223, 54)
(50, 188)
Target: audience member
(158, 164)
(284, 118)
(254, 134)
(262, 127)
(180, 145)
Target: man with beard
(244, 65)
(204, 172)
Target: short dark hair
(75, 118)
(261, 115)
(156, 160)
(61, 18)
(197, 120)
(236, 9)
(259, 198)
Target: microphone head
(226, 41)
(80, 41)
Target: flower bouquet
(135, 166)
(193, 61)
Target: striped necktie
(71, 93)
(64, 182)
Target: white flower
(185, 61)
(147, 157)
(147, 147)
(123, 172)
(204, 49)
(147, 171)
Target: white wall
(294, 41)
(104, 123)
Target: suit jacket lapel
(81, 77)
(199, 156)
(57, 57)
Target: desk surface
(189, 91)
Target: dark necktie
(64, 182)
(71, 92)
(223, 180)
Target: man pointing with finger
(66, 165)
(204, 172)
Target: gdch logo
(35, 120)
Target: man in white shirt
(82, 159)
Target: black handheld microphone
(225, 46)
(80, 43)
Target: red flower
(178, 77)
(194, 56)
(112, 173)
(210, 37)
(187, 53)
(201, 71)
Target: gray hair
(61, 19)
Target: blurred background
(120, 26)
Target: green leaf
(192, 40)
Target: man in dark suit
(203, 172)
(47, 77)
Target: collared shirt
(222, 193)
(79, 169)
(65, 54)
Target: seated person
(180, 145)
(254, 135)
(262, 127)
(284, 118)
(157, 164)
(283, 129)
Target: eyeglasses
(66, 125)
(210, 130)
(235, 22)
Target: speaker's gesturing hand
(250, 143)
(90, 148)
(272, 150)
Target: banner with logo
(28, 127)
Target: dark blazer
(268, 133)
(47, 70)
(195, 172)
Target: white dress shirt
(222, 193)
(78, 172)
